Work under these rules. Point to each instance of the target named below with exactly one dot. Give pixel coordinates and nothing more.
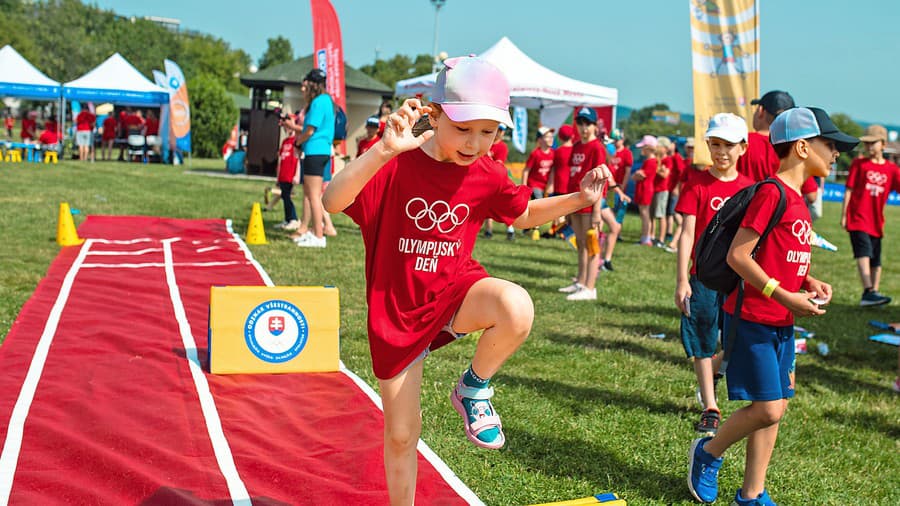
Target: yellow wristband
(770, 287)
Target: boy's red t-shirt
(784, 255)
(703, 197)
(643, 189)
(539, 164)
(28, 128)
(419, 219)
(499, 151)
(48, 137)
(678, 168)
(152, 125)
(109, 128)
(619, 163)
(85, 121)
(561, 170)
(584, 157)
(365, 144)
(869, 184)
(661, 184)
(287, 160)
(760, 160)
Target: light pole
(434, 54)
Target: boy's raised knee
(519, 309)
(402, 436)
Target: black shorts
(314, 165)
(865, 245)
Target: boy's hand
(819, 290)
(591, 187)
(799, 304)
(639, 175)
(682, 291)
(398, 136)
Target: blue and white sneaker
(762, 500)
(703, 472)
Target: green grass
(590, 403)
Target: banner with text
(329, 51)
(725, 57)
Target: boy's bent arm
(346, 184)
(746, 267)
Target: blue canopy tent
(116, 81)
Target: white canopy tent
(531, 85)
(20, 79)
(116, 81)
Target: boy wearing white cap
(777, 287)
(420, 202)
(700, 306)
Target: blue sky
(837, 55)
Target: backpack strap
(739, 301)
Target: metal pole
(434, 51)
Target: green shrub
(213, 115)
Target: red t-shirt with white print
(539, 164)
(702, 197)
(661, 184)
(287, 160)
(585, 156)
(869, 184)
(784, 255)
(561, 157)
(419, 219)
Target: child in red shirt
(761, 369)
(108, 138)
(420, 202)
(643, 186)
(700, 306)
(870, 181)
(536, 174)
(364, 143)
(288, 176)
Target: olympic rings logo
(802, 229)
(876, 177)
(437, 215)
(716, 203)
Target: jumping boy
(870, 181)
(761, 368)
(726, 137)
(420, 202)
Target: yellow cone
(66, 235)
(256, 233)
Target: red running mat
(105, 398)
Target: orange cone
(256, 233)
(66, 235)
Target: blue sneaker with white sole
(703, 472)
(762, 500)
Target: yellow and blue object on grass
(606, 499)
(273, 329)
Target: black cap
(315, 76)
(842, 141)
(775, 101)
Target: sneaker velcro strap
(482, 424)
(474, 393)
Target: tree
(398, 68)
(848, 126)
(641, 123)
(213, 115)
(278, 51)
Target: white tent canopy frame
(531, 85)
(117, 81)
(20, 79)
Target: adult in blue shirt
(314, 139)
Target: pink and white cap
(469, 88)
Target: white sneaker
(309, 240)
(583, 294)
(574, 287)
(292, 225)
(282, 225)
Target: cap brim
(724, 135)
(755, 101)
(842, 141)
(870, 138)
(472, 112)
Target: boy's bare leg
(865, 273)
(760, 444)
(580, 226)
(757, 415)
(505, 311)
(646, 224)
(400, 397)
(703, 368)
(615, 228)
(875, 277)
